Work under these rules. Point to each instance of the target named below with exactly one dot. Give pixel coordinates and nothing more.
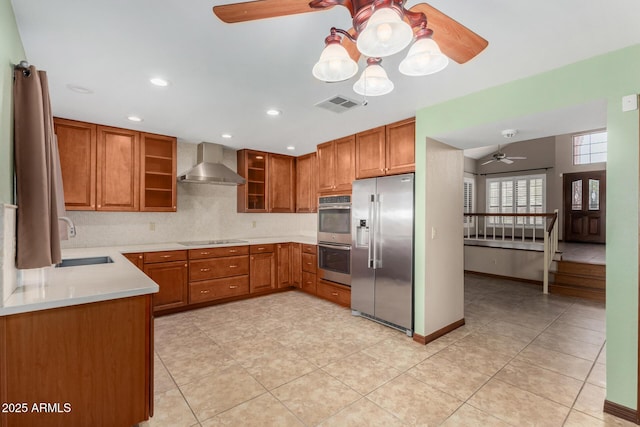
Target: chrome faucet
(72, 227)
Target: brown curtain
(37, 165)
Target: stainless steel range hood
(209, 169)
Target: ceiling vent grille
(338, 104)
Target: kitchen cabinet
(306, 183)
(309, 268)
(77, 148)
(158, 160)
(262, 268)
(336, 165)
(217, 273)
(334, 292)
(113, 169)
(136, 258)
(386, 150)
(169, 269)
(270, 185)
(284, 265)
(296, 264)
(96, 357)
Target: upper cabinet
(306, 183)
(113, 169)
(77, 147)
(386, 150)
(336, 165)
(270, 185)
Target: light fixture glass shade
(373, 82)
(334, 64)
(423, 58)
(385, 34)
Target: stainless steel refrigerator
(382, 250)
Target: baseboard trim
(498, 276)
(424, 340)
(621, 411)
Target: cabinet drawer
(214, 268)
(309, 282)
(261, 249)
(208, 290)
(218, 252)
(309, 263)
(309, 249)
(163, 256)
(335, 293)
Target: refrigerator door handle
(375, 203)
(371, 228)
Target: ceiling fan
(499, 156)
(455, 40)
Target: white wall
(504, 262)
(204, 212)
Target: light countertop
(51, 287)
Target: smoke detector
(509, 133)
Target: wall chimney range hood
(209, 169)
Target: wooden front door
(584, 201)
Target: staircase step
(583, 269)
(580, 292)
(579, 280)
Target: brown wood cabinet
(271, 182)
(136, 258)
(114, 169)
(296, 264)
(336, 165)
(158, 159)
(262, 268)
(307, 183)
(171, 277)
(334, 292)
(284, 265)
(386, 150)
(282, 183)
(216, 273)
(94, 357)
(309, 268)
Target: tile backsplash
(204, 212)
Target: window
(516, 194)
(590, 148)
(469, 200)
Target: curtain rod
(521, 170)
(24, 66)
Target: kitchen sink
(212, 242)
(74, 262)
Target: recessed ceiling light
(273, 112)
(134, 118)
(291, 147)
(158, 81)
(79, 89)
(226, 135)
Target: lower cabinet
(171, 277)
(136, 258)
(309, 266)
(90, 364)
(296, 264)
(262, 268)
(284, 265)
(334, 292)
(217, 273)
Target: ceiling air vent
(338, 104)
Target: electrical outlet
(152, 226)
(433, 233)
(253, 224)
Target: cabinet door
(284, 265)
(171, 277)
(282, 183)
(136, 258)
(262, 272)
(345, 171)
(326, 157)
(252, 195)
(77, 148)
(370, 153)
(400, 153)
(306, 183)
(157, 173)
(296, 265)
(118, 176)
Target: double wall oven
(334, 239)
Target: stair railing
(550, 247)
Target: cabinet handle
(204, 253)
(232, 250)
(185, 266)
(206, 291)
(233, 266)
(308, 263)
(205, 269)
(233, 286)
(261, 249)
(140, 257)
(335, 294)
(166, 256)
(308, 283)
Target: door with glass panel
(584, 196)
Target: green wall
(11, 52)
(608, 77)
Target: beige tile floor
(291, 359)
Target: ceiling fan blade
(350, 46)
(487, 162)
(505, 160)
(516, 158)
(455, 40)
(261, 9)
